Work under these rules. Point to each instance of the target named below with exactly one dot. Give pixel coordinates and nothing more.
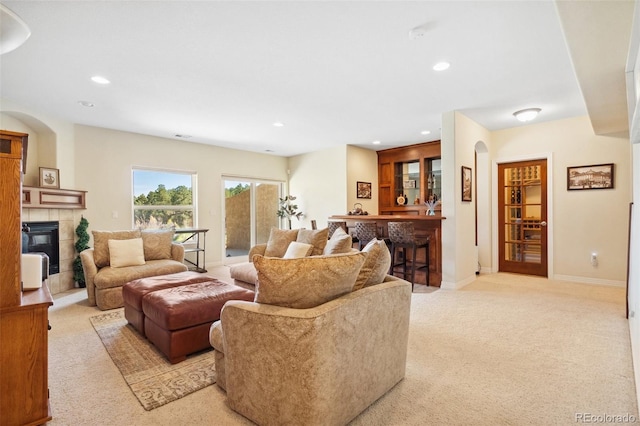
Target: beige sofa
(245, 275)
(134, 254)
(318, 366)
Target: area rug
(152, 379)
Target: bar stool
(402, 235)
(333, 225)
(365, 232)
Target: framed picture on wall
(49, 178)
(363, 189)
(466, 183)
(597, 176)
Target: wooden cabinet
(407, 177)
(24, 393)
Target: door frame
(548, 156)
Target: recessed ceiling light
(99, 79)
(181, 136)
(278, 124)
(441, 66)
(86, 104)
(425, 132)
(527, 114)
(376, 142)
(268, 150)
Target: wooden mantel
(426, 226)
(52, 198)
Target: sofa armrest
(90, 270)
(322, 365)
(177, 252)
(257, 249)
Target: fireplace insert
(43, 237)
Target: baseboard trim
(445, 285)
(593, 281)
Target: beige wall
(362, 166)
(584, 221)
(105, 159)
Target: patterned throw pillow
(376, 265)
(157, 244)
(340, 242)
(126, 253)
(317, 238)
(305, 282)
(101, 244)
(279, 240)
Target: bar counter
(425, 226)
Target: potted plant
(81, 245)
(287, 209)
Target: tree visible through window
(163, 199)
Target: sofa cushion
(375, 266)
(307, 281)
(245, 272)
(157, 244)
(101, 243)
(340, 242)
(297, 249)
(124, 253)
(317, 238)
(279, 240)
(109, 277)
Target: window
(163, 199)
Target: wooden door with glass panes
(522, 217)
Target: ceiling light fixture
(87, 104)
(278, 124)
(13, 31)
(527, 114)
(425, 132)
(441, 66)
(99, 79)
(181, 136)
(376, 142)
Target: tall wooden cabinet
(407, 177)
(24, 392)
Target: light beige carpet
(152, 379)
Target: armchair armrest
(177, 252)
(90, 270)
(257, 249)
(322, 365)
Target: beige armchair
(104, 281)
(316, 366)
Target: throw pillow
(317, 238)
(305, 282)
(296, 250)
(126, 253)
(279, 240)
(340, 242)
(101, 244)
(157, 244)
(376, 265)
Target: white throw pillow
(296, 250)
(126, 252)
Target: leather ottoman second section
(177, 320)
(135, 290)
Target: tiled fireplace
(67, 221)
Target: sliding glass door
(250, 211)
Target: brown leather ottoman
(134, 291)
(177, 320)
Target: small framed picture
(363, 189)
(466, 183)
(597, 176)
(49, 178)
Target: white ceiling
(334, 72)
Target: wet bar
(425, 226)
